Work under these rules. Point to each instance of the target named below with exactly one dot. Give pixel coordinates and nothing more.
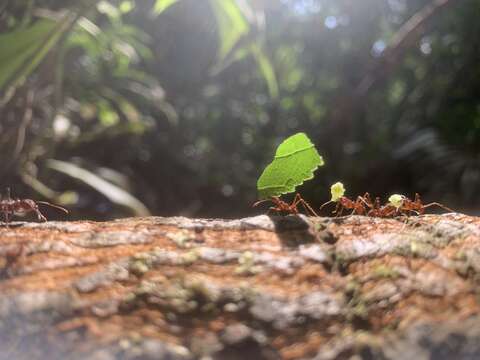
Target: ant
(10, 207)
(282, 206)
(377, 210)
(401, 205)
(359, 206)
(415, 206)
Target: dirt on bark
(256, 288)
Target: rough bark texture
(255, 288)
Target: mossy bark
(255, 288)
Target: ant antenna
(52, 205)
(260, 201)
(328, 202)
(439, 205)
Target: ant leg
(40, 215)
(337, 208)
(340, 209)
(293, 207)
(366, 202)
(409, 211)
(439, 205)
(298, 200)
(308, 208)
(363, 205)
(7, 218)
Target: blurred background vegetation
(173, 107)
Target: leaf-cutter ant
(359, 206)
(281, 206)
(363, 205)
(10, 207)
(407, 206)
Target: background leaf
(266, 69)
(22, 50)
(114, 193)
(295, 161)
(18, 46)
(162, 5)
(232, 25)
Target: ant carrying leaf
(281, 206)
(363, 205)
(406, 206)
(359, 206)
(295, 161)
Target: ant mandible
(10, 207)
(281, 206)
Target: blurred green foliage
(179, 104)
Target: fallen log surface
(256, 288)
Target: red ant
(416, 206)
(401, 205)
(359, 206)
(282, 206)
(10, 207)
(377, 210)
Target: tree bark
(254, 288)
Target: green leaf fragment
(337, 190)
(396, 200)
(295, 161)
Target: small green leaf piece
(337, 190)
(295, 161)
(396, 200)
